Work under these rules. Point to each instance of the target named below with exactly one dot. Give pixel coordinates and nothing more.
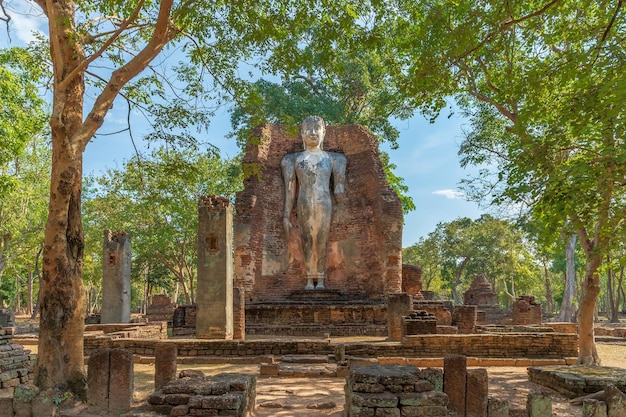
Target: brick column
(165, 354)
(454, 377)
(116, 278)
(214, 297)
(398, 306)
(239, 311)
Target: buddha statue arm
(339, 176)
(288, 167)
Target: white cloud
(26, 19)
(450, 193)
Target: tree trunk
(612, 297)
(567, 306)
(549, 300)
(60, 361)
(587, 353)
(29, 288)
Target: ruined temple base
(578, 380)
(316, 313)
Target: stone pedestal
(419, 322)
(214, 317)
(116, 278)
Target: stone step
(304, 359)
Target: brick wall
(546, 345)
(365, 244)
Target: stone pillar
(214, 296)
(477, 384)
(239, 313)
(116, 278)
(539, 404)
(398, 306)
(121, 381)
(454, 377)
(164, 363)
(110, 381)
(98, 382)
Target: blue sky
(426, 158)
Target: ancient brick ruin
(526, 311)
(219, 395)
(365, 245)
(481, 294)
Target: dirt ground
(317, 397)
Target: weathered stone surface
(387, 412)
(98, 381)
(497, 407)
(121, 380)
(214, 293)
(428, 411)
(615, 401)
(164, 363)
(434, 376)
(382, 399)
(454, 385)
(6, 406)
(362, 387)
(116, 264)
(423, 386)
(398, 306)
(526, 311)
(594, 408)
(412, 280)
(355, 411)
(477, 393)
(430, 398)
(539, 404)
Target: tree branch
(85, 63)
(506, 25)
(163, 33)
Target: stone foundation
(577, 380)
(306, 318)
(161, 309)
(419, 322)
(440, 309)
(392, 390)
(491, 347)
(16, 364)
(219, 395)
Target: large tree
(543, 84)
(100, 47)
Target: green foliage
(22, 110)
(456, 251)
